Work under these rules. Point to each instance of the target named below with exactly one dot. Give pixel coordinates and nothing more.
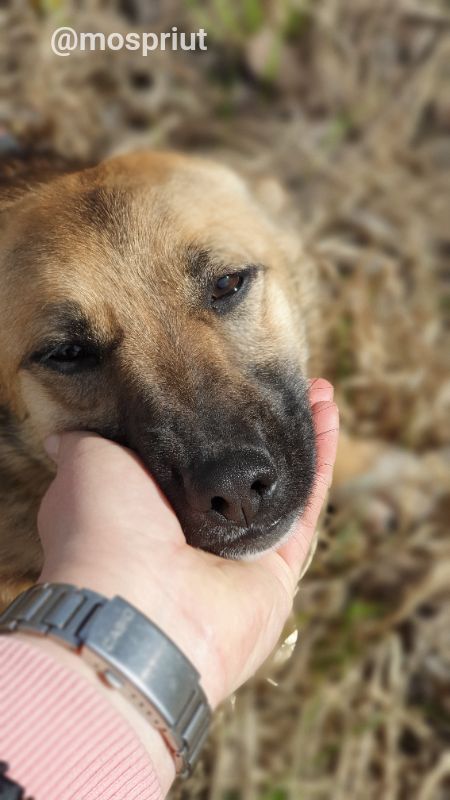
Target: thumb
(101, 490)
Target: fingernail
(51, 446)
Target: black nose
(236, 485)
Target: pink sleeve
(61, 739)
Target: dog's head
(151, 299)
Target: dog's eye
(68, 352)
(69, 358)
(226, 286)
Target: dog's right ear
(21, 173)
(18, 177)
(11, 192)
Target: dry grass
(347, 101)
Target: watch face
(134, 656)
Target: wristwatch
(129, 652)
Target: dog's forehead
(132, 232)
(167, 201)
(142, 211)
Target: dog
(155, 300)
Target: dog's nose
(236, 485)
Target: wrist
(149, 737)
(159, 605)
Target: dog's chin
(250, 543)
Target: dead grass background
(348, 103)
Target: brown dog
(152, 299)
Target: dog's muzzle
(236, 481)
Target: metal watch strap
(130, 653)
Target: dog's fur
(121, 259)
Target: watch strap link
(130, 653)
(57, 609)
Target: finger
(99, 486)
(97, 463)
(326, 423)
(326, 427)
(320, 389)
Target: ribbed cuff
(62, 739)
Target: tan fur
(113, 239)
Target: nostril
(264, 486)
(220, 505)
(259, 487)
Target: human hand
(105, 525)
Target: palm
(225, 615)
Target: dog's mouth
(211, 516)
(253, 542)
(225, 528)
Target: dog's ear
(20, 175)
(16, 184)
